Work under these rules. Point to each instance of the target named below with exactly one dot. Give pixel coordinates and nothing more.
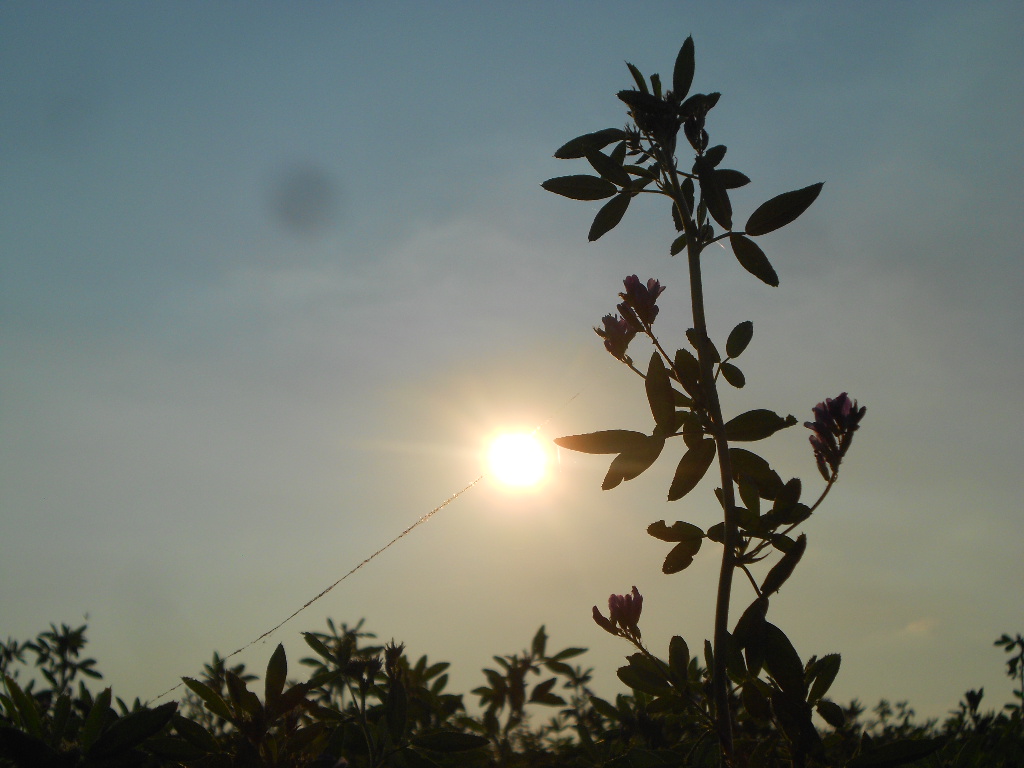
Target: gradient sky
(271, 273)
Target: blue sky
(270, 274)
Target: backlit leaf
(609, 216)
(730, 179)
(605, 441)
(752, 259)
(633, 462)
(608, 168)
(739, 338)
(210, 697)
(678, 531)
(678, 658)
(714, 155)
(831, 713)
(688, 370)
(733, 375)
(639, 78)
(823, 673)
(580, 187)
(744, 462)
(691, 468)
(682, 72)
(714, 195)
(131, 730)
(589, 142)
(781, 210)
(784, 568)
(659, 395)
(756, 425)
(681, 555)
(277, 671)
(782, 661)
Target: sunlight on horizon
(517, 459)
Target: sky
(272, 274)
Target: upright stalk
(719, 678)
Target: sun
(517, 459)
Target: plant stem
(719, 680)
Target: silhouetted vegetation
(742, 699)
(367, 704)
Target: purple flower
(835, 421)
(616, 334)
(638, 307)
(623, 615)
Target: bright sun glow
(517, 459)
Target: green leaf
(130, 731)
(95, 720)
(752, 259)
(618, 155)
(755, 703)
(822, 674)
(633, 462)
(639, 78)
(749, 496)
(643, 675)
(682, 72)
(589, 142)
(730, 179)
(540, 641)
(28, 712)
(733, 375)
(678, 659)
(714, 155)
(678, 531)
(756, 425)
(794, 715)
(61, 718)
(277, 671)
(691, 468)
(782, 661)
(559, 667)
(605, 441)
(677, 245)
(739, 338)
(540, 690)
(396, 706)
(781, 210)
(315, 643)
(709, 348)
(609, 216)
(604, 708)
(449, 741)
(896, 753)
(831, 713)
(608, 168)
(659, 395)
(750, 633)
(713, 194)
(195, 734)
(688, 370)
(580, 187)
(650, 174)
(656, 85)
(568, 653)
(681, 556)
(784, 568)
(211, 698)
